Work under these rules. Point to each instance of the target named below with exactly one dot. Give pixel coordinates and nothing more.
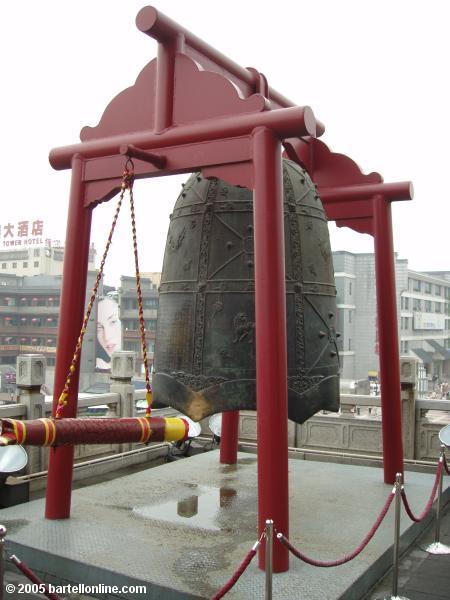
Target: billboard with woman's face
(109, 332)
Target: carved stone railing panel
(431, 417)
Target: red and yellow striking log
(57, 432)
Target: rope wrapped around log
(57, 432)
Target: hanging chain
(148, 395)
(127, 184)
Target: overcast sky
(375, 72)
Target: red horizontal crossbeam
(337, 211)
(402, 190)
(285, 122)
(352, 205)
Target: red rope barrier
(244, 564)
(335, 563)
(348, 557)
(427, 508)
(33, 577)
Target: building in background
(129, 317)
(154, 276)
(31, 260)
(423, 305)
(31, 270)
(29, 308)
(30, 286)
(425, 322)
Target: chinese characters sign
(22, 233)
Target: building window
(428, 287)
(349, 316)
(3, 265)
(25, 265)
(132, 346)
(130, 304)
(427, 305)
(150, 303)
(14, 265)
(349, 288)
(415, 285)
(36, 252)
(349, 343)
(437, 307)
(131, 324)
(404, 302)
(36, 263)
(150, 324)
(417, 304)
(437, 290)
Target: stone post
(122, 370)
(408, 382)
(30, 376)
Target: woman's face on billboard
(108, 325)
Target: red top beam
(157, 25)
(162, 29)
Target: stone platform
(182, 529)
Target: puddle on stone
(201, 510)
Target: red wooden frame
(191, 109)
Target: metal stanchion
(2, 559)
(437, 547)
(269, 551)
(396, 552)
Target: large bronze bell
(205, 340)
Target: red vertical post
(73, 294)
(388, 339)
(165, 81)
(229, 437)
(271, 348)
